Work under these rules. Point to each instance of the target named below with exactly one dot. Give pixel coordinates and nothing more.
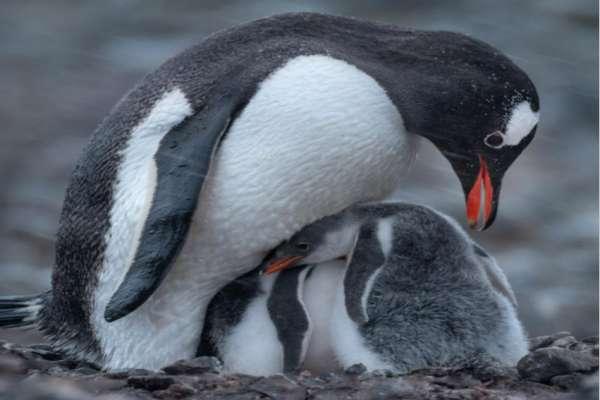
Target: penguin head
(416, 232)
(423, 235)
(480, 159)
(478, 108)
(326, 239)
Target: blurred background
(64, 64)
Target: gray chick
(417, 291)
(263, 324)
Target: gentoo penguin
(233, 145)
(417, 292)
(264, 325)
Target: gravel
(558, 367)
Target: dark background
(64, 64)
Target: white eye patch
(521, 122)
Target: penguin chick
(260, 324)
(417, 291)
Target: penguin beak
(279, 264)
(481, 186)
(481, 199)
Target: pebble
(198, 365)
(568, 382)
(543, 364)
(150, 382)
(26, 374)
(356, 369)
(279, 387)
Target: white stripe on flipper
(309, 328)
(349, 344)
(364, 299)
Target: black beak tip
(490, 220)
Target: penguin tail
(21, 311)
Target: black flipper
(367, 257)
(289, 316)
(183, 161)
(20, 311)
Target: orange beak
(479, 200)
(281, 264)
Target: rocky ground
(558, 367)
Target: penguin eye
(303, 246)
(495, 140)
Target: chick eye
(495, 140)
(303, 246)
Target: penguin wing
(182, 160)
(495, 274)
(364, 265)
(286, 309)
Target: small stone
(543, 364)
(69, 364)
(279, 387)
(564, 342)
(210, 380)
(568, 382)
(539, 342)
(390, 389)
(356, 369)
(546, 341)
(138, 372)
(150, 382)
(561, 334)
(37, 386)
(85, 370)
(195, 366)
(590, 340)
(390, 374)
(579, 346)
(117, 375)
(56, 371)
(175, 391)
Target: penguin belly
(317, 136)
(319, 298)
(252, 346)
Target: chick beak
(280, 264)
(480, 199)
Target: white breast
(349, 345)
(318, 136)
(253, 347)
(319, 298)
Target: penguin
(262, 325)
(264, 127)
(417, 291)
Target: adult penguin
(235, 144)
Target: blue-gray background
(64, 64)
